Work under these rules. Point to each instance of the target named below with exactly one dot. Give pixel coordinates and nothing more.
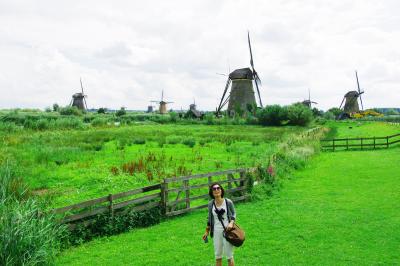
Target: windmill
(350, 100)
(78, 99)
(162, 103)
(308, 102)
(242, 93)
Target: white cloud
(128, 51)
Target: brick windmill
(78, 99)
(241, 95)
(350, 101)
(162, 104)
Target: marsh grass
(26, 236)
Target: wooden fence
(360, 143)
(174, 195)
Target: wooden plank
(136, 191)
(237, 199)
(174, 203)
(172, 190)
(175, 179)
(111, 206)
(80, 216)
(143, 207)
(203, 196)
(392, 136)
(187, 193)
(80, 205)
(370, 138)
(186, 210)
(229, 179)
(393, 142)
(355, 145)
(235, 189)
(138, 200)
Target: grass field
(69, 166)
(357, 129)
(342, 209)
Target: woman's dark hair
(210, 190)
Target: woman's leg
(218, 247)
(231, 262)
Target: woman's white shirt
(217, 223)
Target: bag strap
(219, 218)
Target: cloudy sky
(127, 52)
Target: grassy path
(343, 209)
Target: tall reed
(27, 237)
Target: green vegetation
(341, 209)
(26, 237)
(71, 166)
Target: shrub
(209, 117)
(121, 112)
(102, 110)
(329, 115)
(106, 225)
(335, 111)
(99, 121)
(9, 127)
(70, 110)
(42, 124)
(139, 141)
(69, 123)
(272, 115)
(56, 107)
(190, 142)
(299, 114)
(173, 117)
(173, 139)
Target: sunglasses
(216, 188)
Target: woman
(220, 206)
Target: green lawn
(357, 129)
(342, 209)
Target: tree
(272, 115)
(56, 107)
(102, 110)
(335, 111)
(299, 115)
(121, 112)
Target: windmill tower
(350, 100)
(163, 104)
(242, 91)
(308, 102)
(78, 99)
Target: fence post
(243, 183)
(387, 142)
(164, 197)
(374, 144)
(111, 206)
(361, 139)
(209, 180)
(333, 145)
(229, 177)
(347, 144)
(187, 193)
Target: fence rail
(361, 143)
(174, 195)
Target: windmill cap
(242, 73)
(351, 94)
